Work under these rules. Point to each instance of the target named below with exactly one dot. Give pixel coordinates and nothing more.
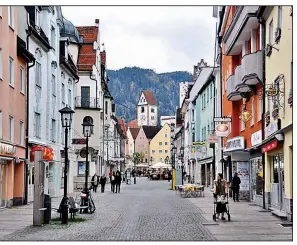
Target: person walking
(95, 182)
(102, 182)
(235, 187)
(118, 180)
(110, 175)
(220, 192)
(112, 182)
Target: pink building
(13, 67)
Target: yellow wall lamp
(245, 114)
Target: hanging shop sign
(79, 141)
(212, 138)
(256, 138)
(236, 143)
(202, 143)
(48, 153)
(271, 128)
(7, 149)
(222, 119)
(272, 145)
(222, 130)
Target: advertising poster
(81, 168)
(244, 175)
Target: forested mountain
(127, 83)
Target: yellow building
(160, 145)
(277, 143)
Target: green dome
(69, 30)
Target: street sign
(78, 141)
(212, 138)
(222, 119)
(199, 143)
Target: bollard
(48, 211)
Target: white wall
(153, 122)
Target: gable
(141, 136)
(142, 100)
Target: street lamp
(87, 131)
(167, 160)
(173, 164)
(182, 163)
(151, 160)
(66, 119)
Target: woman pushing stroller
(220, 194)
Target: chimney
(97, 22)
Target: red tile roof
(133, 124)
(87, 55)
(134, 132)
(150, 97)
(121, 122)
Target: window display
(257, 176)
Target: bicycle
(90, 202)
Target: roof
(69, 30)
(87, 54)
(150, 131)
(133, 124)
(149, 97)
(134, 132)
(121, 122)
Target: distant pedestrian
(235, 187)
(118, 180)
(110, 175)
(169, 175)
(112, 182)
(102, 183)
(95, 182)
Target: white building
(171, 120)
(147, 110)
(44, 93)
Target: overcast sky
(161, 38)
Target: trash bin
(48, 205)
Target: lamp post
(182, 163)
(87, 131)
(66, 119)
(173, 166)
(151, 160)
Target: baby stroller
(220, 201)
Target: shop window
(257, 176)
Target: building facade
(147, 110)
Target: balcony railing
(232, 82)
(239, 21)
(83, 102)
(40, 35)
(252, 68)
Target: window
(166, 151)
(11, 71)
(63, 95)
(242, 122)
(166, 135)
(193, 137)
(280, 16)
(210, 91)
(37, 125)
(152, 110)
(160, 143)
(271, 32)
(1, 125)
(268, 104)
(193, 115)
(53, 130)
(11, 129)
(10, 16)
(53, 85)
(0, 11)
(152, 117)
(207, 95)
(142, 109)
(53, 37)
(21, 133)
(253, 111)
(69, 98)
(37, 18)
(22, 80)
(166, 143)
(1, 64)
(160, 151)
(106, 107)
(38, 73)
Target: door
(277, 186)
(3, 184)
(85, 97)
(31, 184)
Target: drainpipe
(263, 33)
(96, 87)
(29, 32)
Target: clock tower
(147, 109)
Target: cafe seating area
(190, 190)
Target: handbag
(221, 199)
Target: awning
(205, 160)
(48, 153)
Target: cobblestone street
(145, 211)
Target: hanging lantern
(271, 91)
(245, 116)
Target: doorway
(3, 183)
(277, 181)
(31, 184)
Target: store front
(207, 175)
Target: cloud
(160, 38)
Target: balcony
(240, 28)
(232, 82)
(252, 68)
(87, 103)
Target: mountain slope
(127, 83)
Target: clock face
(142, 118)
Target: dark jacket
(118, 179)
(102, 180)
(236, 182)
(95, 183)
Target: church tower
(147, 109)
